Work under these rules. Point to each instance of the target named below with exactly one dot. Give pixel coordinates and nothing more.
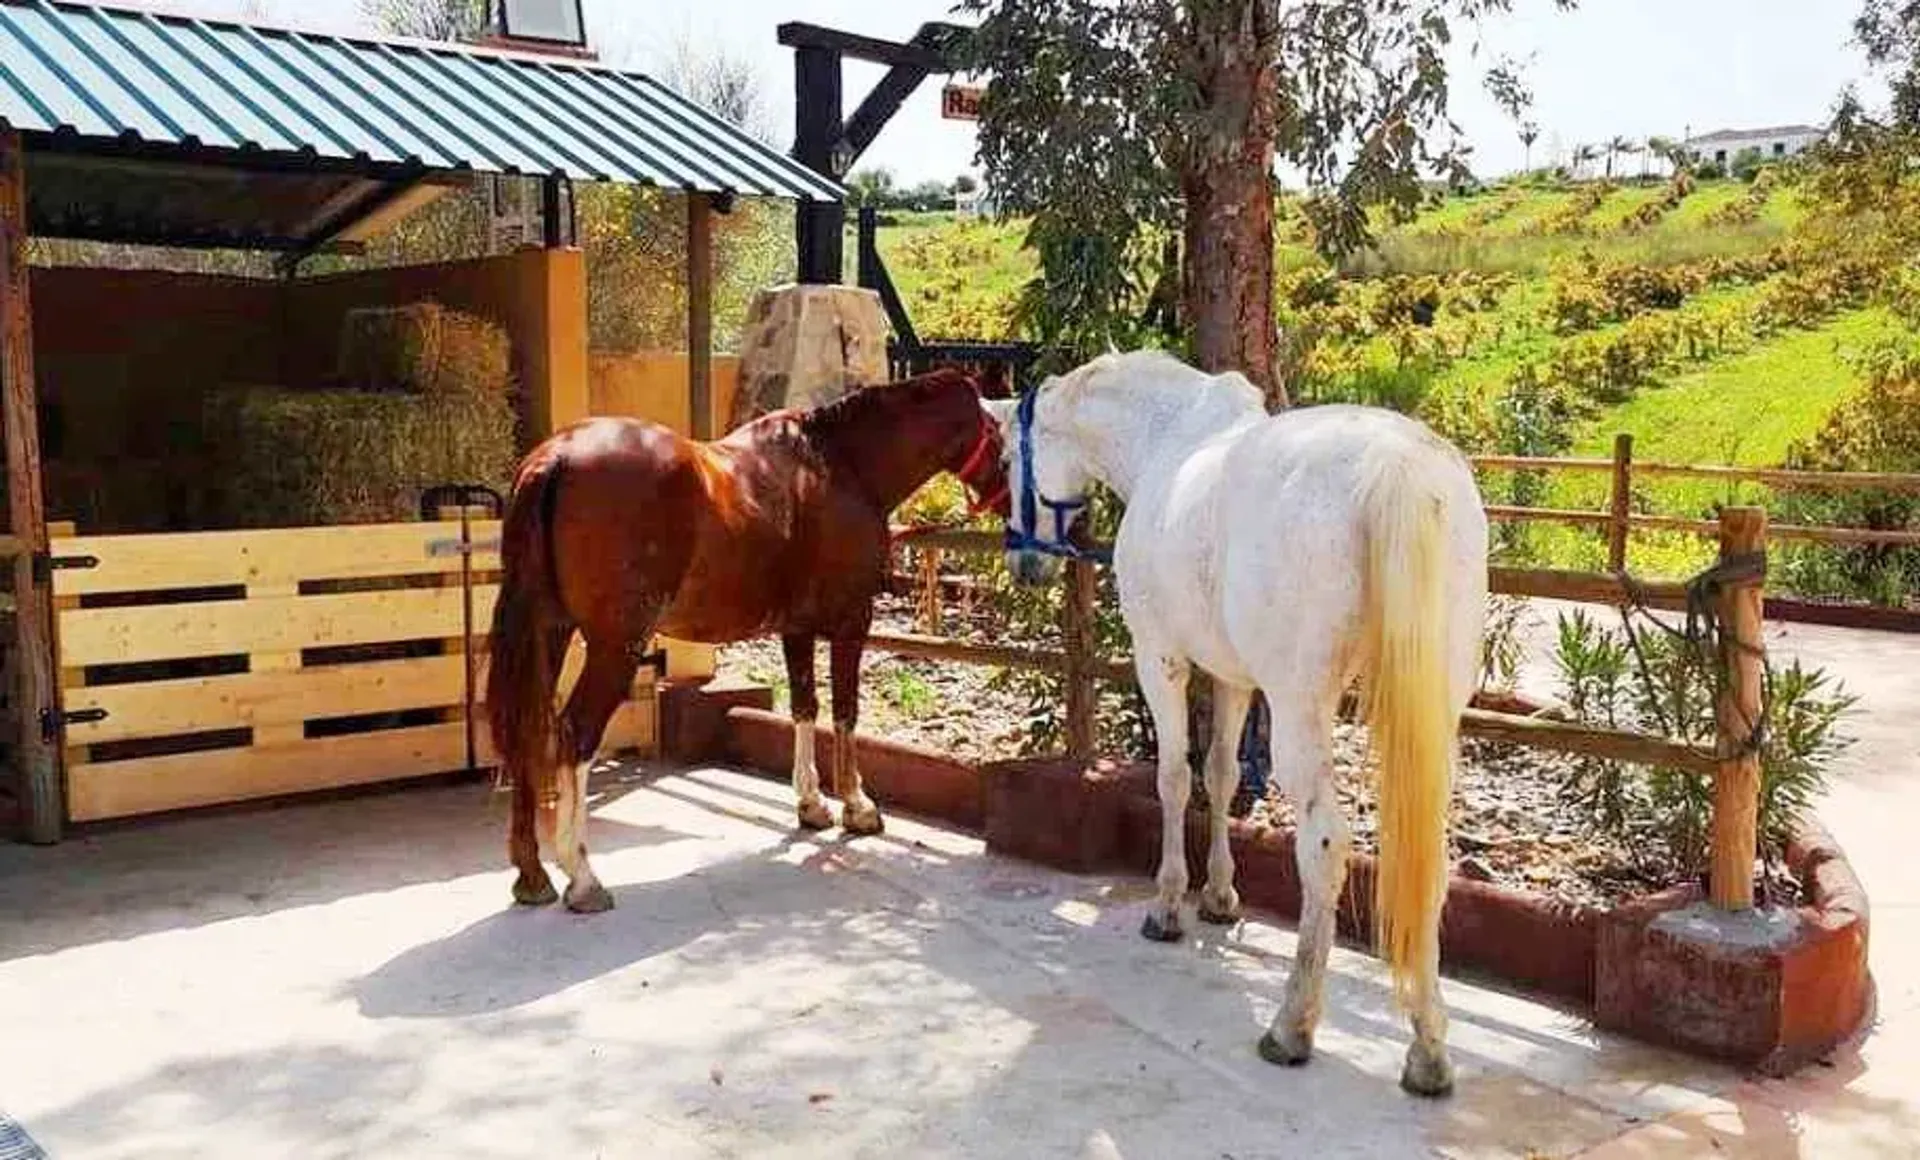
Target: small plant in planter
(1669, 813)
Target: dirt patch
(1510, 825)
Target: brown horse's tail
(527, 619)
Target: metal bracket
(45, 564)
(461, 547)
(52, 723)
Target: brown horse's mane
(856, 408)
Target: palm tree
(1529, 133)
(1615, 148)
(1664, 149)
(1584, 156)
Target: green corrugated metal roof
(122, 75)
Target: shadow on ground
(152, 876)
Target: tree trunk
(1227, 179)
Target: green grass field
(1744, 401)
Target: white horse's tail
(1409, 709)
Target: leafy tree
(1747, 164)
(1671, 152)
(965, 183)
(870, 187)
(431, 19)
(1529, 133)
(722, 83)
(1116, 124)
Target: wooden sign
(961, 102)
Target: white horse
(1292, 553)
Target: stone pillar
(808, 345)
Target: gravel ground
(1509, 825)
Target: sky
(1635, 68)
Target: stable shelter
(179, 668)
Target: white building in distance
(1773, 144)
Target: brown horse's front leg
(806, 714)
(858, 814)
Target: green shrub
(1669, 813)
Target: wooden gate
(213, 667)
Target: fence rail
(1620, 520)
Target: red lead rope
(983, 447)
(976, 459)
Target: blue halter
(1021, 538)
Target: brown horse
(620, 529)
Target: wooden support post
(1736, 786)
(700, 314)
(931, 606)
(817, 138)
(553, 231)
(1076, 636)
(1622, 507)
(37, 697)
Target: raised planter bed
(1773, 994)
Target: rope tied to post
(1709, 648)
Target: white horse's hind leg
(1428, 1070)
(1163, 682)
(1220, 902)
(1303, 761)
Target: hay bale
(423, 349)
(279, 457)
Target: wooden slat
(1508, 514)
(1528, 463)
(1580, 739)
(179, 781)
(279, 556)
(94, 636)
(700, 314)
(1791, 480)
(248, 700)
(935, 648)
(1584, 587)
(1770, 476)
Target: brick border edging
(1109, 819)
(1106, 817)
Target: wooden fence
(1736, 772)
(1619, 520)
(213, 667)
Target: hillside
(1564, 314)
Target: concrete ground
(347, 979)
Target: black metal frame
(465, 496)
(827, 141)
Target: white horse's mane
(1156, 372)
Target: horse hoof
(862, 824)
(1427, 1075)
(1291, 1051)
(815, 816)
(1160, 928)
(533, 890)
(592, 899)
(1220, 913)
